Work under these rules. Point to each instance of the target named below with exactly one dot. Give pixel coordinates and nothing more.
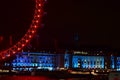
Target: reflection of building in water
(52, 61)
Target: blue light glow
(66, 62)
(112, 62)
(29, 61)
(118, 64)
(89, 62)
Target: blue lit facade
(29, 61)
(112, 62)
(88, 62)
(115, 63)
(118, 64)
(67, 61)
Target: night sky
(95, 22)
(15, 19)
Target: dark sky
(15, 19)
(95, 21)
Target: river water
(44, 78)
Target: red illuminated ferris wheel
(28, 35)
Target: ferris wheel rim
(28, 35)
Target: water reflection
(45, 78)
(34, 78)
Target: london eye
(38, 11)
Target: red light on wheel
(3, 57)
(33, 31)
(8, 55)
(30, 36)
(39, 10)
(23, 45)
(38, 16)
(26, 41)
(14, 52)
(37, 21)
(35, 26)
(18, 49)
(39, 5)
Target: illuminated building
(118, 64)
(82, 60)
(28, 61)
(88, 62)
(31, 60)
(112, 62)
